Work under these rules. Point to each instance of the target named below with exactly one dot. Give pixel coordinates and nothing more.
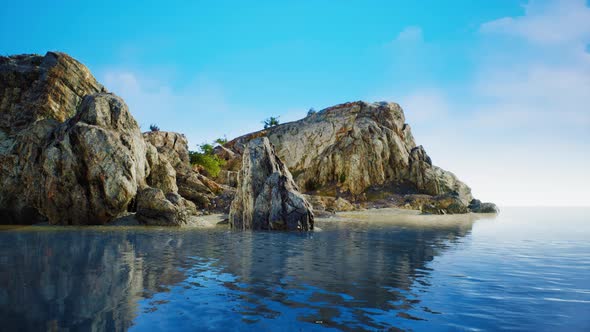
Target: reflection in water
(528, 269)
(348, 276)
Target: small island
(71, 153)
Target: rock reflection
(349, 276)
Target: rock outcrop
(86, 170)
(173, 148)
(267, 197)
(478, 206)
(71, 153)
(348, 149)
(155, 208)
(34, 88)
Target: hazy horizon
(496, 92)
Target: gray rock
(476, 206)
(267, 197)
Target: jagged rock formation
(192, 185)
(347, 149)
(70, 153)
(85, 170)
(267, 197)
(34, 88)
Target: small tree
(221, 140)
(311, 111)
(153, 127)
(271, 122)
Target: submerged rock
(267, 197)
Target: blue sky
(497, 91)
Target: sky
(497, 92)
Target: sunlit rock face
(267, 197)
(34, 87)
(85, 170)
(71, 153)
(348, 148)
(192, 185)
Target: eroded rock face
(348, 148)
(173, 147)
(84, 171)
(70, 153)
(267, 197)
(34, 87)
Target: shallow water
(526, 269)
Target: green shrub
(205, 157)
(271, 122)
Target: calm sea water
(526, 269)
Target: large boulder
(156, 209)
(344, 150)
(267, 197)
(478, 206)
(84, 171)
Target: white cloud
(546, 22)
(410, 34)
(425, 106)
(186, 110)
(519, 130)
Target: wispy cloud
(199, 109)
(546, 22)
(518, 131)
(409, 34)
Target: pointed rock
(267, 197)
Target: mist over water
(526, 269)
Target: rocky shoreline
(71, 153)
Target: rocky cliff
(360, 151)
(71, 153)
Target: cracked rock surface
(267, 198)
